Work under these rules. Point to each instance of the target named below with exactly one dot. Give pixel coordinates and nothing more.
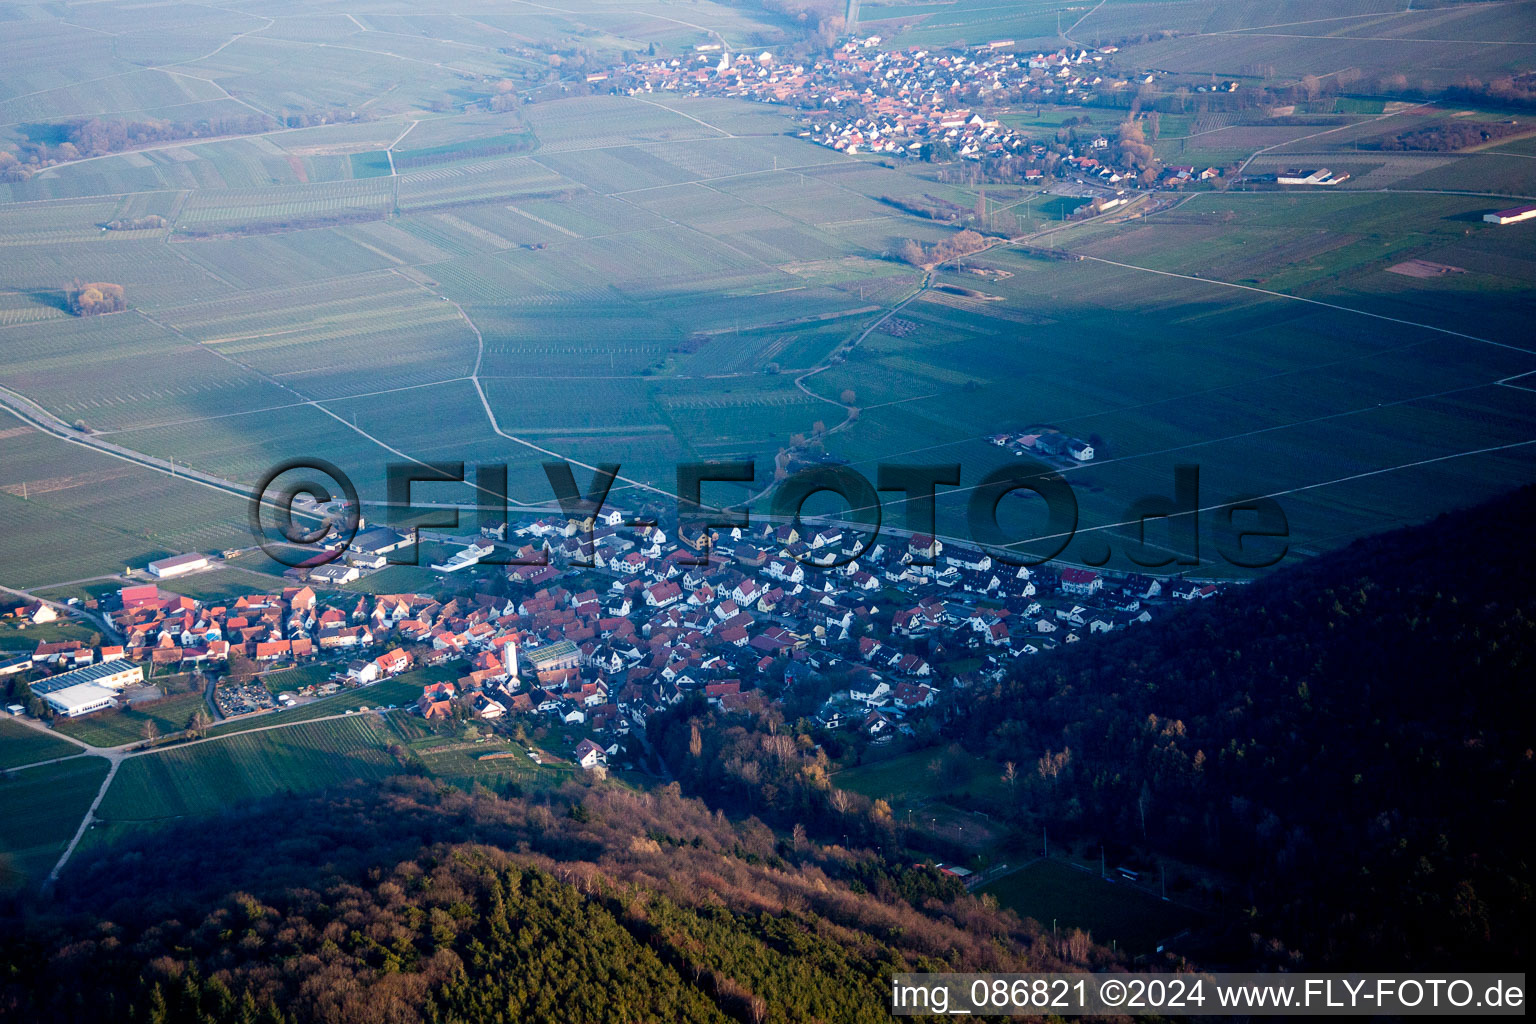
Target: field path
(117, 755)
(1314, 302)
(706, 124)
(490, 414)
(1291, 142)
(114, 759)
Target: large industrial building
(92, 688)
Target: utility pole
(1103, 871)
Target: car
(16, 710)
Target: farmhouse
(1514, 215)
(36, 613)
(178, 565)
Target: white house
(589, 755)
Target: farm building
(1513, 215)
(177, 565)
(134, 597)
(1320, 176)
(334, 575)
(379, 541)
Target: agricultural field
(1111, 910)
(40, 808)
(1260, 39)
(221, 585)
(21, 636)
(648, 279)
(106, 512)
(201, 778)
(113, 728)
(20, 744)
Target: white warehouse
(177, 565)
(92, 688)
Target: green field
(200, 778)
(911, 780)
(650, 280)
(114, 728)
(20, 744)
(1111, 911)
(18, 637)
(40, 808)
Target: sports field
(1112, 911)
(911, 780)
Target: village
(617, 625)
(924, 104)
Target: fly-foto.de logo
(1250, 532)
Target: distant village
(919, 103)
(617, 626)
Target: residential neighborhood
(618, 624)
(926, 104)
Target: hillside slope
(411, 900)
(1353, 736)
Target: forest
(415, 900)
